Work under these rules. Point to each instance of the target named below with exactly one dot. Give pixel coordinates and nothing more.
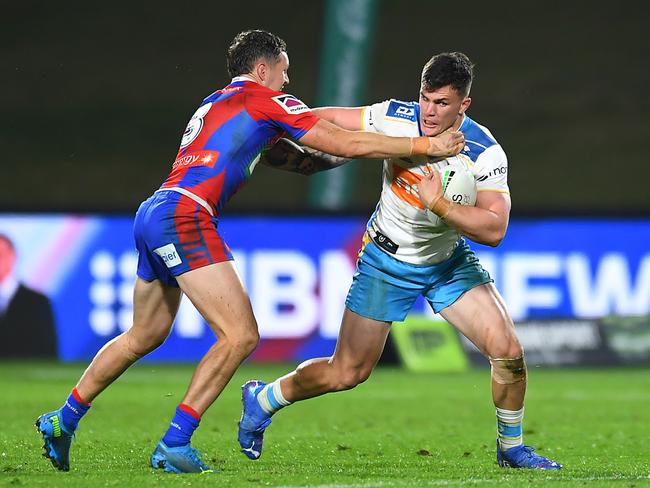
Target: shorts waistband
(191, 195)
(381, 239)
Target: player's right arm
(289, 156)
(329, 138)
(350, 118)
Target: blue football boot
(56, 439)
(524, 457)
(182, 459)
(254, 420)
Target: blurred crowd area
(95, 98)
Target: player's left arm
(289, 156)
(486, 222)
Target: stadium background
(97, 97)
(94, 100)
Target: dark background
(94, 98)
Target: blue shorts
(173, 235)
(384, 288)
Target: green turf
(398, 429)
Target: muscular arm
(288, 156)
(350, 118)
(485, 223)
(329, 138)
(338, 133)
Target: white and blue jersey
(405, 254)
(400, 216)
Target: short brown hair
(248, 47)
(445, 69)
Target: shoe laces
(533, 456)
(530, 451)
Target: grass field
(398, 429)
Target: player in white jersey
(406, 254)
(400, 215)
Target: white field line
(471, 481)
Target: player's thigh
(384, 288)
(218, 294)
(360, 343)
(480, 315)
(154, 308)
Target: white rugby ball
(458, 185)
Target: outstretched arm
(350, 118)
(289, 156)
(331, 139)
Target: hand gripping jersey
(400, 223)
(224, 138)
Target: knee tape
(508, 371)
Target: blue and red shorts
(173, 235)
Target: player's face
(278, 73)
(440, 109)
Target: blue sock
(182, 427)
(73, 409)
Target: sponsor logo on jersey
(169, 255)
(401, 110)
(501, 170)
(290, 104)
(231, 89)
(199, 158)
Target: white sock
(271, 398)
(509, 428)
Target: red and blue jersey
(225, 137)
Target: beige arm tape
(508, 371)
(419, 146)
(441, 207)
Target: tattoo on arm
(289, 156)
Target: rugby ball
(458, 184)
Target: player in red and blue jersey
(180, 249)
(219, 150)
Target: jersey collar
(464, 123)
(241, 78)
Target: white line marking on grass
(471, 481)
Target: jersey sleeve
(491, 170)
(285, 111)
(391, 117)
(372, 117)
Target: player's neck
(246, 77)
(459, 121)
